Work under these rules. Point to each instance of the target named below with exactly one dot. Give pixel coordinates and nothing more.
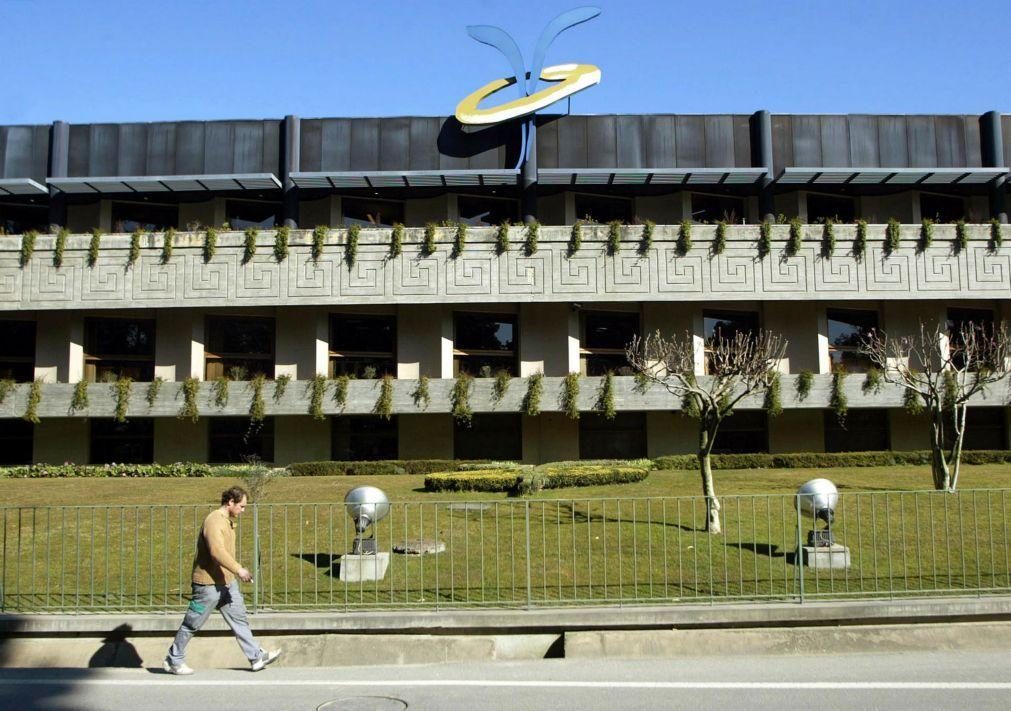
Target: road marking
(486, 683)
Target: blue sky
(112, 60)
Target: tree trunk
(955, 460)
(938, 463)
(708, 490)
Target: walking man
(215, 587)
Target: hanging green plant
(532, 235)
(121, 391)
(837, 402)
(280, 386)
(34, 400)
(460, 399)
(764, 239)
(317, 391)
(257, 408)
(27, 247)
(153, 388)
(720, 239)
(221, 391)
(605, 397)
(319, 235)
(684, 242)
(926, 235)
(961, 236)
(94, 246)
(500, 386)
(210, 243)
(569, 397)
(892, 233)
(249, 250)
(912, 402)
(396, 240)
(502, 238)
(190, 410)
(79, 400)
(860, 241)
(532, 399)
(422, 398)
(340, 391)
(874, 380)
(428, 244)
(351, 246)
(384, 403)
(996, 235)
(796, 237)
(59, 246)
(689, 402)
(6, 388)
(613, 237)
(575, 239)
(134, 253)
(641, 383)
(168, 242)
(828, 239)
(281, 237)
(646, 238)
(774, 397)
(459, 241)
(805, 379)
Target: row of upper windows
(365, 346)
(473, 210)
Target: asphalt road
(893, 681)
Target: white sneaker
(180, 669)
(264, 659)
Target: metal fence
(514, 553)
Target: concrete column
(297, 340)
(543, 339)
(699, 341)
(761, 157)
(574, 339)
(570, 208)
(321, 353)
(824, 359)
(529, 177)
(420, 336)
(59, 164)
(172, 344)
(197, 349)
(290, 159)
(54, 346)
(992, 141)
(75, 350)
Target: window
(131, 216)
(363, 346)
(238, 439)
(863, 430)
(724, 326)
(713, 208)
(16, 442)
(624, 437)
(838, 208)
(239, 347)
(744, 432)
(130, 442)
(496, 437)
(605, 335)
(941, 208)
(482, 211)
(17, 219)
(484, 344)
(985, 428)
(242, 214)
(17, 351)
(372, 213)
(846, 328)
(363, 438)
(979, 320)
(597, 208)
(118, 348)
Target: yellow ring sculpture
(572, 78)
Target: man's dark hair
(233, 494)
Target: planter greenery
(837, 402)
(27, 247)
(422, 398)
(720, 239)
(961, 237)
(828, 239)
(913, 402)
(646, 238)
(428, 245)
(94, 246)
(575, 239)
(340, 391)
(502, 238)
(319, 234)
(532, 399)
(249, 250)
(459, 240)
(317, 390)
(569, 397)
(134, 253)
(764, 239)
(281, 237)
(796, 237)
(684, 241)
(153, 388)
(280, 386)
(34, 400)
(396, 240)
(892, 232)
(6, 388)
(384, 403)
(605, 397)
(79, 400)
(121, 391)
(59, 246)
(773, 397)
(221, 391)
(190, 410)
(532, 235)
(803, 385)
(351, 246)
(613, 237)
(210, 243)
(996, 235)
(860, 241)
(926, 235)
(257, 407)
(873, 381)
(167, 245)
(501, 385)
(460, 399)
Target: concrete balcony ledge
(634, 271)
(363, 395)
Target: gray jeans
(207, 598)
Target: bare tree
(940, 372)
(738, 366)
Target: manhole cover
(364, 703)
(419, 546)
(468, 507)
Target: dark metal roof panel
(24, 152)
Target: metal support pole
(529, 175)
(290, 159)
(800, 548)
(256, 557)
(761, 157)
(59, 165)
(992, 144)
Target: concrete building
(160, 299)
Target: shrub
(281, 243)
(502, 238)
(428, 246)
(459, 241)
(396, 240)
(351, 246)
(796, 237)
(613, 237)
(27, 247)
(378, 468)
(891, 236)
(65, 471)
(646, 239)
(860, 241)
(319, 234)
(684, 243)
(825, 460)
(828, 239)
(530, 243)
(59, 246)
(720, 240)
(764, 239)
(249, 248)
(477, 480)
(210, 244)
(168, 242)
(525, 480)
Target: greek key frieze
(259, 279)
(104, 282)
(307, 278)
(524, 275)
(413, 276)
(732, 272)
(938, 271)
(11, 276)
(838, 274)
(886, 273)
(152, 280)
(786, 274)
(679, 274)
(209, 281)
(986, 271)
(627, 273)
(366, 277)
(577, 274)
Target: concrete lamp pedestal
(363, 568)
(835, 556)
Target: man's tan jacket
(215, 562)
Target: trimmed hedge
(379, 468)
(825, 460)
(63, 471)
(474, 480)
(528, 479)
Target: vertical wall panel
(719, 132)
(394, 143)
(104, 155)
(950, 141)
(40, 154)
(423, 143)
(161, 149)
(219, 147)
(690, 141)
(658, 139)
(835, 141)
(310, 145)
(336, 145)
(782, 142)
(132, 143)
(863, 138)
(1005, 123)
(806, 141)
(17, 152)
(892, 149)
(248, 154)
(630, 150)
(922, 142)
(973, 140)
(364, 144)
(547, 143)
(742, 141)
(271, 143)
(190, 143)
(601, 142)
(572, 139)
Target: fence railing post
(256, 557)
(526, 512)
(800, 549)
